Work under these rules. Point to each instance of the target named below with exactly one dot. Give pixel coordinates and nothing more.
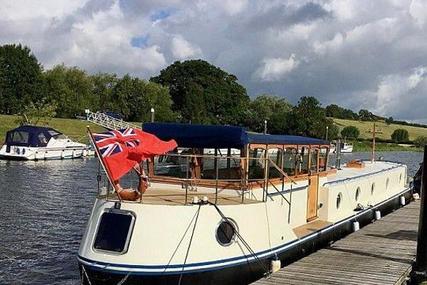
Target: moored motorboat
(29, 142)
(231, 219)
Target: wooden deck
(171, 197)
(379, 253)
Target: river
(43, 212)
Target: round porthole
(386, 183)
(372, 189)
(339, 199)
(356, 197)
(226, 232)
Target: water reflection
(44, 209)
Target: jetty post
(421, 258)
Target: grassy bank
(386, 130)
(73, 128)
(367, 146)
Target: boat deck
(379, 253)
(369, 169)
(174, 197)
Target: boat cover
(211, 136)
(30, 136)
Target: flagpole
(107, 171)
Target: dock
(380, 253)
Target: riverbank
(362, 146)
(73, 128)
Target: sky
(354, 53)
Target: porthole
(356, 197)
(386, 183)
(226, 232)
(339, 199)
(372, 189)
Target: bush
(350, 132)
(420, 141)
(400, 135)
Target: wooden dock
(379, 253)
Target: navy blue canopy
(210, 136)
(33, 136)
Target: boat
(30, 142)
(232, 219)
(346, 147)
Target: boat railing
(217, 175)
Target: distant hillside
(74, 129)
(365, 126)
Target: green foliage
(389, 120)
(203, 93)
(350, 132)
(365, 115)
(336, 111)
(400, 135)
(20, 78)
(70, 89)
(308, 118)
(271, 108)
(420, 141)
(38, 113)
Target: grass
(365, 128)
(73, 128)
(367, 146)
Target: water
(43, 212)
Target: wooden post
(421, 259)
(373, 143)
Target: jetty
(382, 252)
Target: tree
(203, 93)
(308, 118)
(336, 111)
(20, 78)
(271, 108)
(400, 135)
(365, 115)
(420, 141)
(102, 87)
(389, 120)
(350, 132)
(70, 88)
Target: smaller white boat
(40, 143)
(345, 147)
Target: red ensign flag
(120, 150)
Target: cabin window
(226, 160)
(289, 161)
(42, 139)
(357, 195)
(256, 163)
(323, 159)
(173, 165)
(226, 232)
(18, 137)
(302, 160)
(339, 200)
(114, 231)
(275, 155)
(313, 159)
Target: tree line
(192, 91)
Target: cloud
(355, 53)
(182, 49)
(273, 69)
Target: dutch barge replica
(231, 218)
(30, 142)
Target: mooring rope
(267, 271)
(85, 274)
(179, 244)
(189, 245)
